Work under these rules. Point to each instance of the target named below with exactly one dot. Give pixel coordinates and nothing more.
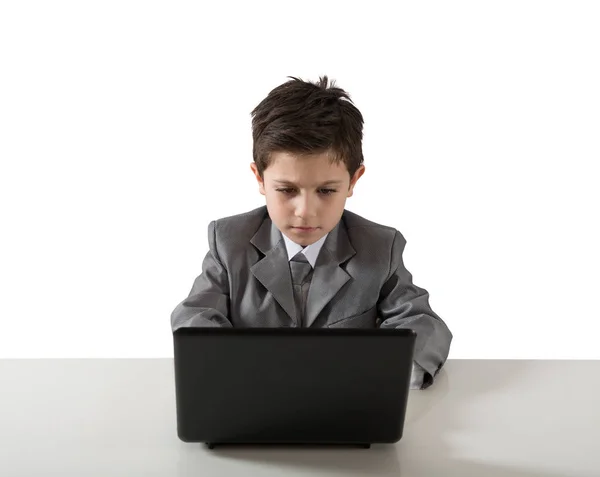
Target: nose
(305, 207)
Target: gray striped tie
(301, 271)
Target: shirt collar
(311, 252)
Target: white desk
(480, 419)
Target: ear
(261, 183)
(359, 172)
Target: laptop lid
(292, 386)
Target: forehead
(307, 169)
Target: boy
(303, 260)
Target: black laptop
(292, 385)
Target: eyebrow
(324, 183)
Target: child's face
(307, 192)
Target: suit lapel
(273, 269)
(328, 276)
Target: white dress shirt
(311, 252)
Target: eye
(289, 191)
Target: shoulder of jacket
(354, 222)
(240, 228)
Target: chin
(305, 240)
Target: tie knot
(300, 268)
(300, 257)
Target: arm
(417, 377)
(402, 304)
(208, 301)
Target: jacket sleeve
(402, 304)
(207, 304)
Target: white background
(125, 129)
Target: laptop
(315, 386)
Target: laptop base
(212, 445)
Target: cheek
(277, 203)
(336, 208)
(338, 201)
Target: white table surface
(112, 417)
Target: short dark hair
(301, 117)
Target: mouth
(305, 229)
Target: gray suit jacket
(359, 281)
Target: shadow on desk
(438, 415)
(433, 417)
